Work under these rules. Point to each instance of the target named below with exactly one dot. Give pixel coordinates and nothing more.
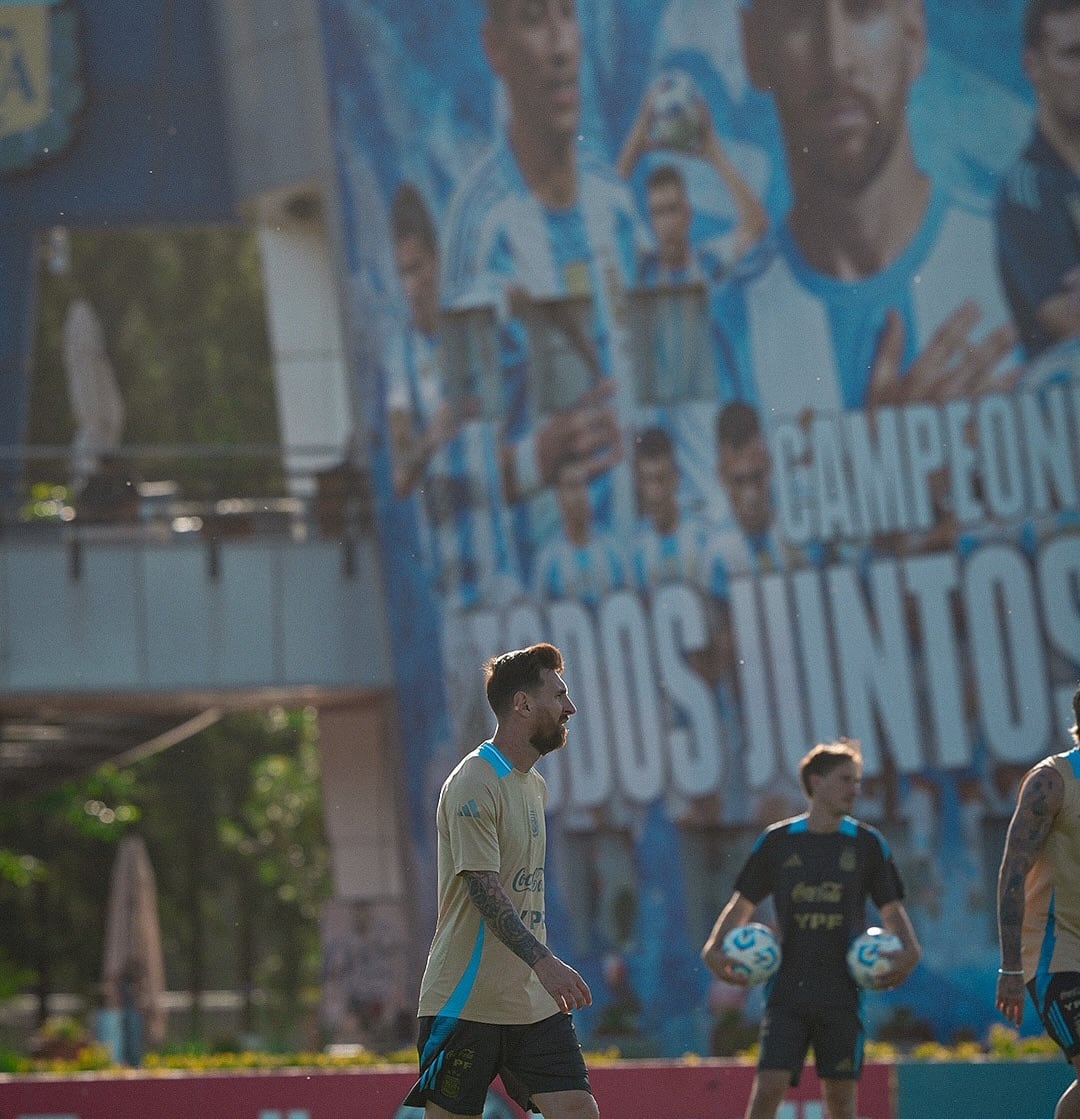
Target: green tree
(232, 820)
(56, 889)
(18, 872)
(184, 320)
(237, 815)
(277, 838)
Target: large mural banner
(732, 346)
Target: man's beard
(545, 741)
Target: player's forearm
(1040, 800)
(752, 218)
(488, 895)
(895, 918)
(409, 467)
(1011, 877)
(737, 912)
(410, 453)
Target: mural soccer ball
(676, 120)
(755, 950)
(864, 958)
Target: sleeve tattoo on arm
(1040, 800)
(495, 907)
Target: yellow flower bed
(1003, 1044)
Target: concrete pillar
(306, 335)
(371, 958)
(361, 799)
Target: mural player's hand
(443, 427)
(1010, 997)
(950, 367)
(563, 983)
(588, 433)
(709, 146)
(637, 139)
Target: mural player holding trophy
(444, 456)
(676, 259)
(541, 221)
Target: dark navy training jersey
(1038, 227)
(819, 885)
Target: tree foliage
(185, 329)
(232, 819)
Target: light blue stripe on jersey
(658, 558)
(794, 827)
(803, 339)
(1073, 758)
(1049, 942)
(495, 758)
(683, 554)
(451, 1012)
(856, 308)
(883, 841)
(459, 996)
(1063, 1029)
(585, 573)
(709, 263)
(848, 826)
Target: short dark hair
(653, 442)
(410, 217)
(736, 424)
(518, 671)
(664, 174)
(825, 757)
(1035, 14)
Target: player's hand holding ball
(870, 958)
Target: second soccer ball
(865, 960)
(754, 950)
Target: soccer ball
(864, 958)
(754, 950)
(676, 119)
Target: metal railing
(162, 492)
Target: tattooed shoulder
(1042, 791)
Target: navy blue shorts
(459, 1060)
(836, 1035)
(1059, 1009)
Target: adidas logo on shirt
(470, 810)
(793, 861)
